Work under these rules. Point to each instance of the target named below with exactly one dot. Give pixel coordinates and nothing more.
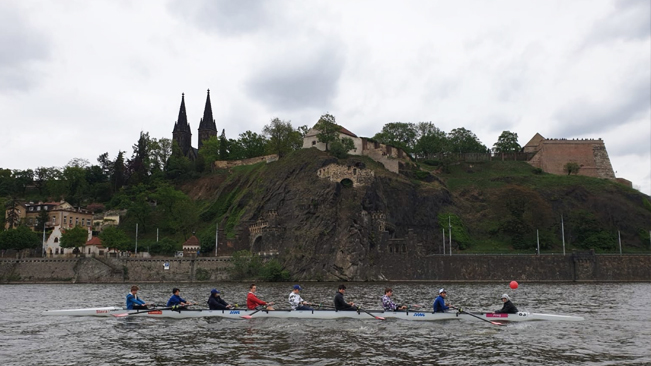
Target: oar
(250, 315)
(478, 317)
(139, 311)
(375, 316)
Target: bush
(537, 171)
(273, 271)
(421, 175)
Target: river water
(616, 330)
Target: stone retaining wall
(578, 267)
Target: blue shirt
(133, 300)
(439, 305)
(175, 300)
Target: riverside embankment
(576, 267)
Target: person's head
(342, 288)
(176, 291)
(388, 291)
(252, 288)
(297, 288)
(134, 289)
(442, 293)
(505, 297)
(214, 292)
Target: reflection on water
(616, 331)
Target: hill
(326, 218)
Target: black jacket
(340, 303)
(508, 308)
(217, 303)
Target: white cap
(506, 296)
(442, 291)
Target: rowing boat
(310, 314)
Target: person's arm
(256, 301)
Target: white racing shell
(311, 314)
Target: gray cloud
(307, 79)
(587, 117)
(21, 46)
(629, 20)
(225, 16)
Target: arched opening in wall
(346, 183)
(257, 244)
(56, 240)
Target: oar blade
(379, 318)
(497, 323)
(121, 315)
(246, 317)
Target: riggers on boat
(310, 314)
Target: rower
(340, 303)
(296, 301)
(440, 306)
(508, 307)
(253, 302)
(389, 305)
(176, 300)
(133, 302)
(215, 302)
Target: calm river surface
(617, 329)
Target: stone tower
(207, 127)
(182, 134)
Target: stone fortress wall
(551, 155)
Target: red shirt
(252, 301)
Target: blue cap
(297, 287)
(214, 291)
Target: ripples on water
(617, 329)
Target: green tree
(282, 138)
(119, 177)
(253, 144)
(23, 179)
(159, 151)
(76, 184)
(12, 214)
(340, 148)
(328, 129)
(178, 166)
(399, 134)
(432, 141)
(114, 238)
(507, 143)
(571, 168)
(465, 141)
(74, 238)
(176, 211)
(210, 151)
(19, 239)
(165, 246)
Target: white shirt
(295, 300)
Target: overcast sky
(80, 78)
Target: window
(45, 208)
(76, 221)
(38, 208)
(56, 251)
(31, 208)
(65, 219)
(54, 220)
(313, 143)
(56, 240)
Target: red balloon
(513, 285)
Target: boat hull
(521, 316)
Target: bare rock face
(333, 220)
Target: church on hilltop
(182, 133)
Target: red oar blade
(379, 318)
(497, 323)
(121, 315)
(246, 317)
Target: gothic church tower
(182, 134)
(207, 127)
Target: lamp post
(216, 237)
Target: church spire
(182, 121)
(182, 133)
(207, 126)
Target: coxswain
(508, 307)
